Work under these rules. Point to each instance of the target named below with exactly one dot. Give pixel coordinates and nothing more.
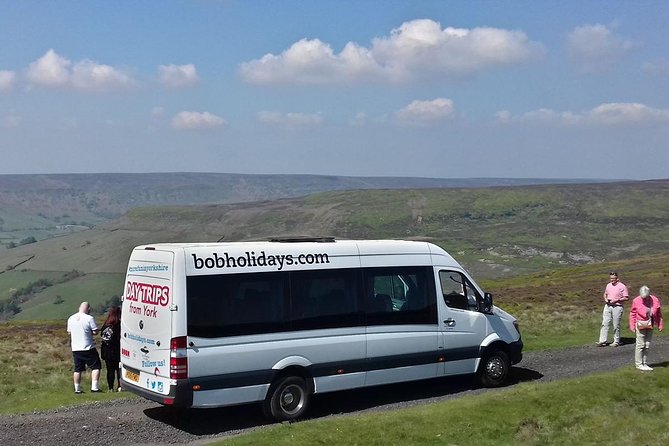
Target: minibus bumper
(515, 351)
(180, 395)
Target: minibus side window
(324, 299)
(399, 295)
(458, 292)
(230, 305)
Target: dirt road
(140, 422)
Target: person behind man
(614, 296)
(110, 347)
(645, 315)
(81, 327)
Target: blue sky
(559, 89)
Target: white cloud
(50, 70)
(423, 45)
(290, 119)
(609, 114)
(7, 80)
(191, 120)
(311, 62)
(425, 112)
(175, 76)
(53, 70)
(594, 48)
(88, 75)
(627, 113)
(419, 49)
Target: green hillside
(496, 232)
(44, 206)
(61, 300)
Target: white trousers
(611, 315)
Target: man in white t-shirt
(81, 327)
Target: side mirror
(486, 303)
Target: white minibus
(274, 322)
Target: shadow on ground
(626, 341)
(662, 365)
(217, 421)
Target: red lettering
(147, 293)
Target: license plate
(132, 376)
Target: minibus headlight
(516, 326)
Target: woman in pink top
(645, 307)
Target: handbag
(644, 325)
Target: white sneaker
(647, 368)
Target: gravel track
(141, 422)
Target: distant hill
(515, 228)
(42, 206)
(495, 232)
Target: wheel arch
(295, 370)
(492, 363)
(497, 344)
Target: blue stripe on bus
(260, 377)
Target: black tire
(494, 368)
(287, 399)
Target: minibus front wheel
(287, 399)
(494, 368)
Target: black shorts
(83, 358)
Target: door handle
(144, 350)
(450, 322)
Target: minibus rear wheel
(287, 399)
(494, 368)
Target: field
(37, 368)
(562, 307)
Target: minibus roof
(361, 247)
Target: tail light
(178, 358)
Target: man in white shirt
(81, 327)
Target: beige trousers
(643, 338)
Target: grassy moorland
(562, 307)
(46, 206)
(36, 370)
(509, 231)
(495, 232)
